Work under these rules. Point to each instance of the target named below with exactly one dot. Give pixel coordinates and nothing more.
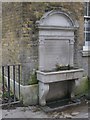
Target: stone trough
(45, 78)
(49, 77)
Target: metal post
(3, 82)
(8, 83)
(19, 79)
(14, 82)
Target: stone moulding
(72, 21)
(57, 28)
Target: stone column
(41, 53)
(71, 51)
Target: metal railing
(10, 75)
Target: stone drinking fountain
(56, 49)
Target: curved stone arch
(62, 18)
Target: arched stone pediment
(57, 18)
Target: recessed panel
(56, 52)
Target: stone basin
(49, 77)
(46, 78)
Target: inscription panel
(56, 52)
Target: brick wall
(20, 34)
(11, 32)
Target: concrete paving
(24, 112)
(36, 112)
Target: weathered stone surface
(56, 39)
(56, 47)
(58, 76)
(47, 79)
(28, 93)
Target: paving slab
(24, 112)
(36, 112)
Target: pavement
(80, 111)
(0, 113)
(24, 112)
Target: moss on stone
(33, 79)
(82, 88)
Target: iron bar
(8, 83)
(8, 74)
(14, 82)
(19, 79)
(3, 82)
